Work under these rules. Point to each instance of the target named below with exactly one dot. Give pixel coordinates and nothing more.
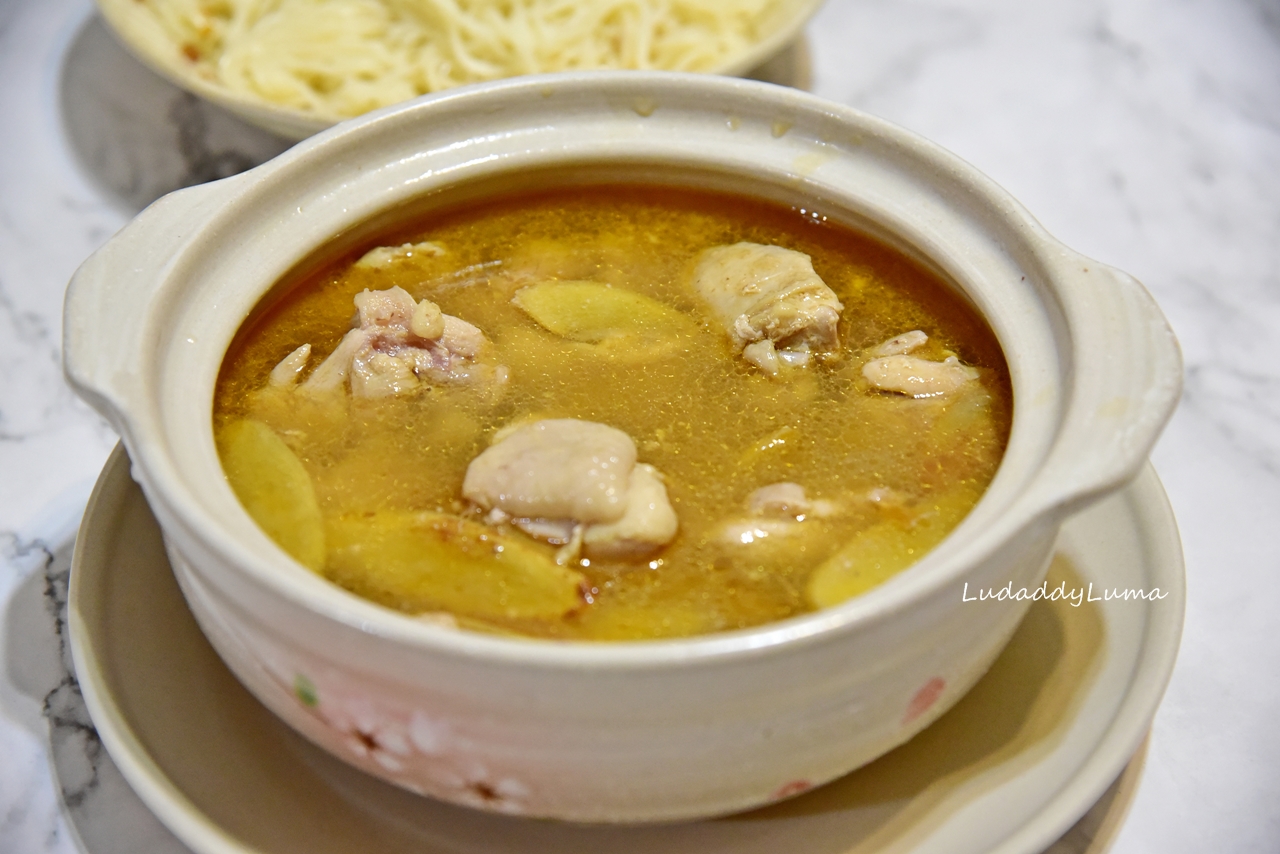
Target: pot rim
(964, 548)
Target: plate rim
(1153, 669)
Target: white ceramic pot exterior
(632, 731)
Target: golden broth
(900, 471)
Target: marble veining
(34, 666)
(77, 750)
(105, 815)
(1144, 133)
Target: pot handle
(104, 328)
(1124, 380)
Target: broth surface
(897, 472)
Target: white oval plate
(1008, 770)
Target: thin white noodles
(341, 58)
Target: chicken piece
(427, 320)
(378, 374)
(333, 371)
(648, 524)
(916, 377)
(894, 370)
(558, 532)
(286, 373)
(900, 345)
(386, 311)
(780, 500)
(760, 293)
(764, 356)
(778, 510)
(559, 468)
(397, 345)
(786, 500)
(573, 483)
(797, 358)
(461, 338)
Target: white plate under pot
(1008, 770)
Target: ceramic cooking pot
(616, 732)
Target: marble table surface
(1145, 133)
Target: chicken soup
(613, 412)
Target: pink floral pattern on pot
(405, 745)
(924, 699)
